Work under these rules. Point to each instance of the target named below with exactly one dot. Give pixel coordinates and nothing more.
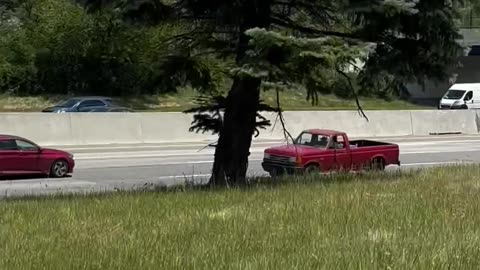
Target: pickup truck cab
(320, 150)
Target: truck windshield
(454, 94)
(313, 140)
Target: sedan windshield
(67, 103)
(454, 94)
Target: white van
(461, 96)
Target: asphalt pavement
(116, 167)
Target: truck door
(343, 157)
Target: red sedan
(19, 156)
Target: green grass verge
(415, 220)
(185, 100)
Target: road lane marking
(456, 145)
(438, 152)
(140, 146)
(436, 163)
(125, 155)
(255, 144)
(85, 167)
(184, 176)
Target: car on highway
(80, 104)
(320, 150)
(20, 156)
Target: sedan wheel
(59, 169)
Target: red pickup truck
(319, 150)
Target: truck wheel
(312, 169)
(378, 164)
(277, 172)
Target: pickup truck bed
(366, 143)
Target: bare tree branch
(213, 52)
(288, 23)
(302, 4)
(286, 133)
(359, 107)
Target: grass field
(184, 100)
(413, 220)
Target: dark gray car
(80, 104)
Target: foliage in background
(55, 47)
(469, 11)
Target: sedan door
(10, 162)
(28, 155)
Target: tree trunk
(232, 152)
(235, 138)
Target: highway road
(114, 167)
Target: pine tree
(279, 43)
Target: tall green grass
(412, 220)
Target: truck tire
(277, 172)
(312, 169)
(377, 164)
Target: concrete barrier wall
(131, 128)
(169, 127)
(380, 123)
(425, 122)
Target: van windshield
(454, 94)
